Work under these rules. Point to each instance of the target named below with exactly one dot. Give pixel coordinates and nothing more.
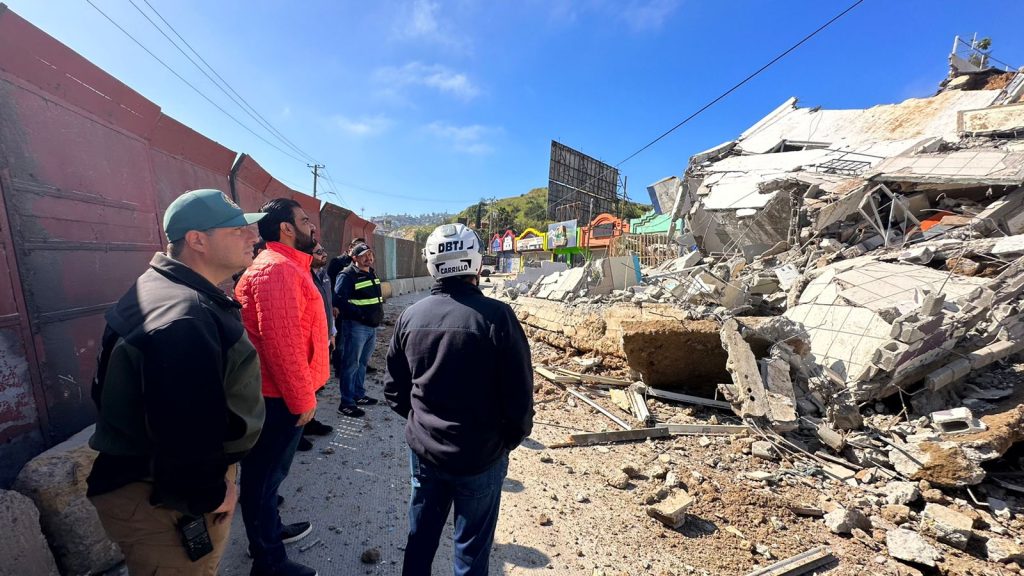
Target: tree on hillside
(500, 218)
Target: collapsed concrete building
(848, 261)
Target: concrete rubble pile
(850, 282)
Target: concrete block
(919, 255)
(888, 355)
(55, 481)
(946, 525)
(23, 548)
(956, 421)
(932, 304)
(764, 450)
(843, 521)
(911, 547)
(671, 511)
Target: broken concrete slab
(672, 355)
(911, 547)
(946, 525)
(941, 463)
(588, 328)
(55, 481)
(842, 338)
(23, 548)
(747, 392)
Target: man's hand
(227, 508)
(305, 417)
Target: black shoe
(286, 568)
(304, 445)
(295, 532)
(350, 411)
(366, 401)
(370, 369)
(280, 500)
(317, 428)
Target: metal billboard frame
(580, 186)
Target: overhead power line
(223, 84)
(192, 86)
(735, 87)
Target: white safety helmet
(453, 250)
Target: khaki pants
(149, 537)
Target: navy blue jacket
(459, 370)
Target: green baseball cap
(203, 210)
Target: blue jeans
(476, 498)
(360, 340)
(263, 470)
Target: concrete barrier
(55, 482)
(23, 547)
(402, 286)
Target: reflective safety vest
(363, 302)
(363, 285)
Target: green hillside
(527, 210)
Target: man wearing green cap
(177, 392)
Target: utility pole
(315, 168)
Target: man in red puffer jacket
(283, 312)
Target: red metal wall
(87, 168)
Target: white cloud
(364, 125)
(643, 15)
(638, 15)
(468, 139)
(433, 76)
(421, 20)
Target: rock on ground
(55, 481)
(901, 492)
(946, 525)
(23, 548)
(911, 547)
(843, 521)
(1003, 550)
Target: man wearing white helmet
(459, 371)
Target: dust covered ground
(559, 513)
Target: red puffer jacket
(284, 315)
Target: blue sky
(428, 105)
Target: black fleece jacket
(177, 390)
(459, 370)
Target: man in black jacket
(459, 370)
(177, 392)
(358, 297)
(334, 268)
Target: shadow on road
(511, 485)
(518, 555)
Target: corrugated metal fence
(87, 167)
